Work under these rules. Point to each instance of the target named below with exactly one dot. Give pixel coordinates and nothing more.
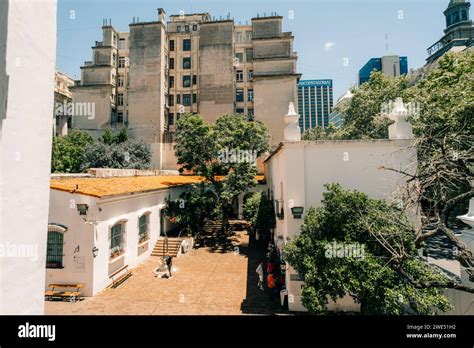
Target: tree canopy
(223, 153)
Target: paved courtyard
(216, 279)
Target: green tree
(260, 211)
(386, 275)
(68, 152)
(210, 150)
(193, 208)
(131, 154)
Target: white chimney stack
(401, 129)
(292, 131)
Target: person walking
(271, 285)
(169, 263)
(259, 271)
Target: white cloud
(329, 45)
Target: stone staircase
(160, 249)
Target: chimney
(400, 129)
(161, 15)
(292, 131)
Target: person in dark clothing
(169, 263)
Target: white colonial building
(297, 171)
(100, 228)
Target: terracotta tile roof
(104, 187)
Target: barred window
(116, 239)
(143, 227)
(55, 246)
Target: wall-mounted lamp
(279, 209)
(82, 208)
(95, 251)
(297, 212)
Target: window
(250, 94)
(116, 239)
(171, 45)
(143, 227)
(239, 37)
(248, 34)
(187, 45)
(119, 116)
(250, 112)
(464, 15)
(54, 251)
(171, 100)
(114, 58)
(194, 98)
(120, 81)
(171, 63)
(119, 99)
(239, 111)
(115, 39)
(194, 79)
(186, 28)
(122, 44)
(186, 81)
(239, 95)
(187, 63)
(171, 82)
(239, 57)
(186, 99)
(250, 75)
(249, 54)
(195, 27)
(239, 76)
(171, 119)
(178, 28)
(121, 63)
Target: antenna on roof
(386, 42)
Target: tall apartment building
(146, 78)
(62, 98)
(315, 102)
(392, 66)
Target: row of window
(241, 111)
(186, 45)
(239, 95)
(187, 101)
(239, 57)
(187, 79)
(186, 63)
(241, 37)
(55, 242)
(239, 75)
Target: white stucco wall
(299, 170)
(25, 153)
(81, 237)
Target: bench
(116, 281)
(71, 296)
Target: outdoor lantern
(279, 209)
(82, 208)
(95, 251)
(297, 212)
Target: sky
(333, 38)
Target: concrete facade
(190, 64)
(29, 52)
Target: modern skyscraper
(146, 78)
(459, 31)
(392, 66)
(315, 100)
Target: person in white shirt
(259, 271)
